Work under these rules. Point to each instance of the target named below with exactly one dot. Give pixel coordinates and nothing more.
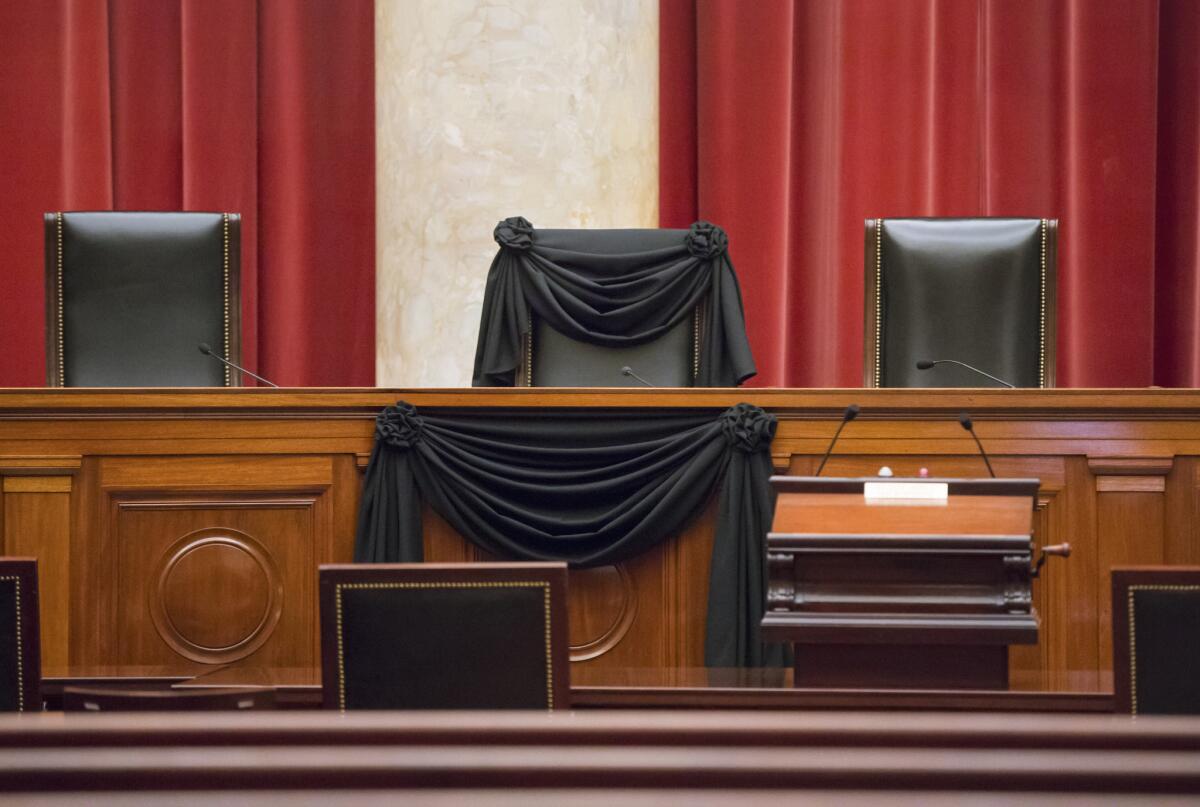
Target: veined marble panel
(546, 109)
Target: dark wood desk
(176, 527)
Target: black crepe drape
(616, 300)
(588, 487)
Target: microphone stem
(1000, 381)
(832, 442)
(983, 453)
(208, 351)
(260, 378)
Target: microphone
(850, 414)
(208, 351)
(964, 420)
(628, 371)
(925, 364)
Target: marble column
(485, 109)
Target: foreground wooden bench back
(497, 756)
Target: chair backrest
(20, 636)
(1156, 639)
(979, 291)
(551, 359)
(130, 296)
(444, 636)
(555, 360)
(102, 699)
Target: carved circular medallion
(601, 616)
(216, 597)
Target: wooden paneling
(1130, 517)
(35, 515)
(1181, 542)
(222, 581)
(647, 611)
(101, 484)
(37, 525)
(210, 560)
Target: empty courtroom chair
(1156, 628)
(444, 636)
(20, 636)
(131, 296)
(117, 699)
(630, 307)
(956, 291)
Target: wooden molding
(1131, 466)
(37, 484)
(1131, 484)
(40, 465)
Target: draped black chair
(974, 291)
(1156, 627)
(579, 308)
(130, 296)
(444, 636)
(20, 636)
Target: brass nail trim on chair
(62, 373)
(878, 294)
(225, 270)
(542, 584)
(1042, 317)
(1133, 634)
(529, 351)
(20, 654)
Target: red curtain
(265, 109)
(789, 123)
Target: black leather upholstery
(979, 291)
(1166, 626)
(131, 295)
(559, 361)
(435, 637)
(20, 640)
(1156, 656)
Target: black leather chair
(1156, 639)
(444, 636)
(20, 636)
(130, 296)
(976, 291)
(551, 359)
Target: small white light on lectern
(885, 471)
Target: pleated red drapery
(265, 109)
(789, 123)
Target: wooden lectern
(901, 583)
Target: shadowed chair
(99, 699)
(1156, 624)
(947, 292)
(444, 636)
(20, 636)
(611, 308)
(130, 296)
